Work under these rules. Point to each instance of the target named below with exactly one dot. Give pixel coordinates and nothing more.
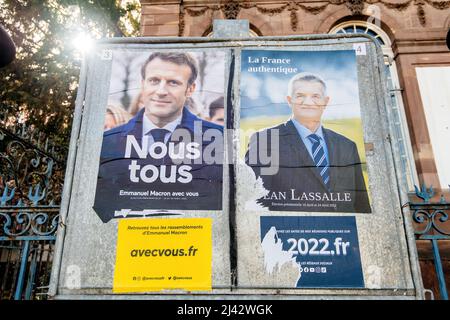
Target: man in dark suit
(161, 159)
(318, 169)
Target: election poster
(324, 250)
(162, 147)
(301, 131)
(163, 254)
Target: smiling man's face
(165, 90)
(308, 101)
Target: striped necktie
(318, 154)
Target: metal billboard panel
(86, 247)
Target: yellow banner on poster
(160, 254)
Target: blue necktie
(320, 159)
(158, 134)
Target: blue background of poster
(344, 271)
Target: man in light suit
(135, 173)
(318, 169)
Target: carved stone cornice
(232, 8)
(355, 6)
(421, 11)
(151, 2)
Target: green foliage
(39, 87)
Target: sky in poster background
(264, 93)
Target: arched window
(400, 126)
(363, 27)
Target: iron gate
(432, 225)
(31, 177)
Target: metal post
(439, 270)
(23, 264)
(31, 276)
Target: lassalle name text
(309, 196)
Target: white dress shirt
(305, 132)
(147, 125)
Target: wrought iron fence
(432, 224)
(31, 178)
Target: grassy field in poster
(350, 128)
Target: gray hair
(306, 76)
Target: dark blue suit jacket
(298, 172)
(114, 173)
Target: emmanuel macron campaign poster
(162, 145)
(301, 130)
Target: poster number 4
(360, 49)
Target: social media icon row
(313, 270)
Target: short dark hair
(216, 104)
(179, 58)
(306, 76)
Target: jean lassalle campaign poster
(162, 144)
(301, 130)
